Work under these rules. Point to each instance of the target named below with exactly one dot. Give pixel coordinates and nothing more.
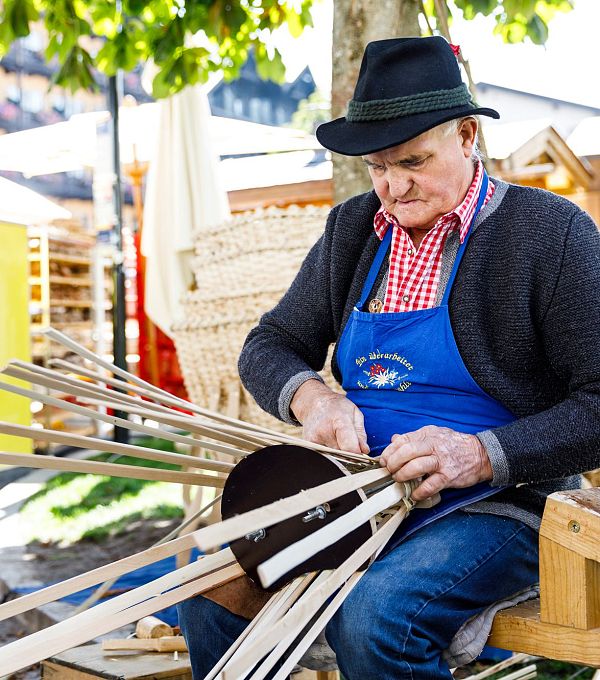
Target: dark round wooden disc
(274, 473)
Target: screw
(320, 512)
(256, 536)
(574, 526)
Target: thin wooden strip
(107, 584)
(94, 444)
(283, 599)
(270, 514)
(162, 418)
(110, 469)
(150, 409)
(201, 567)
(161, 395)
(316, 627)
(82, 351)
(95, 576)
(501, 666)
(307, 587)
(95, 415)
(173, 403)
(296, 553)
(113, 420)
(306, 607)
(307, 638)
(39, 646)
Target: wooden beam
(521, 630)
(569, 587)
(572, 519)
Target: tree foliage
(516, 20)
(187, 39)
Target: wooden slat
(521, 630)
(104, 446)
(110, 469)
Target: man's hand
(444, 458)
(328, 418)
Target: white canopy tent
(19, 205)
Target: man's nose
(399, 184)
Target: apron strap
(463, 245)
(375, 267)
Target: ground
(73, 559)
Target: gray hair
(452, 126)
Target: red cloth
(414, 274)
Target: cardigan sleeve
(564, 439)
(291, 341)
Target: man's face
(426, 177)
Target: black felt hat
(405, 87)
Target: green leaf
(20, 14)
(269, 67)
(537, 30)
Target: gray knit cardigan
(525, 310)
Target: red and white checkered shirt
(414, 274)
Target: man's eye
(415, 164)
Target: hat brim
(359, 139)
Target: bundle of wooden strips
(294, 616)
(242, 269)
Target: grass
(71, 507)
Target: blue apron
(404, 371)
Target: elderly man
(465, 316)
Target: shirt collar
(459, 218)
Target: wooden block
(572, 519)
(89, 662)
(569, 587)
(152, 627)
(172, 643)
(570, 559)
(520, 630)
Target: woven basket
(242, 269)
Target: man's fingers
(395, 456)
(347, 437)
(429, 487)
(359, 426)
(417, 467)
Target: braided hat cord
(423, 102)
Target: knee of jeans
(352, 629)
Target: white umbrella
(20, 205)
(183, 196)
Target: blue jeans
(404, 612)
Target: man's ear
(468, 133)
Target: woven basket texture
(242, 269)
